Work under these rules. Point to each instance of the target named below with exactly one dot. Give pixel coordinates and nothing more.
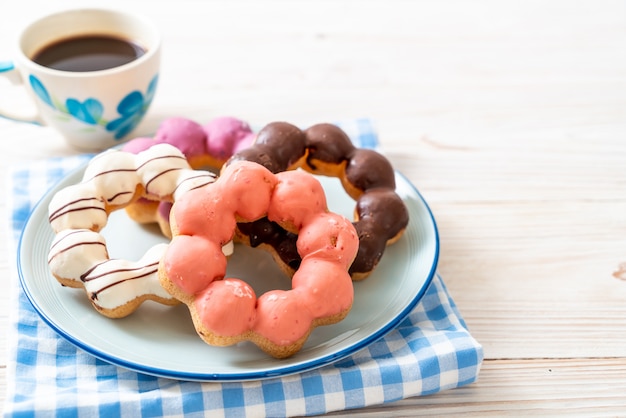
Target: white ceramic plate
(161, 340)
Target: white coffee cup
(92, 109)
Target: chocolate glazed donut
(380, 214)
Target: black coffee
(88, 53)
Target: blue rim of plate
(231, 377)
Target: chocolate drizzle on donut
(52, 254)
(69, 208)
(367, 176)
(125, 274)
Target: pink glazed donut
(226, 311)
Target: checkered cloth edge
(430, 351)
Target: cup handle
(14, 93)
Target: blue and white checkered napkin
(431, 350)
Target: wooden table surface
(509, 117)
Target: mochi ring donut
(208, 145)
(78, 255)
(226, 311)
(367, 176)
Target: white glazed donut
(114, 179)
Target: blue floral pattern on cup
(131, 108)
(40, 90)
(90, 111)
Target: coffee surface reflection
(88, 53)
